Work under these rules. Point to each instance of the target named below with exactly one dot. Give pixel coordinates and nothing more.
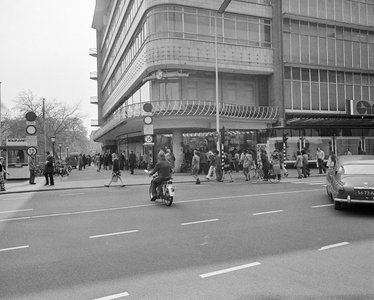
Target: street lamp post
(53, 140)
(222, 8)
(59, 145)
(67, 151)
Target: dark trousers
(219, 173)
(321, 166)
(32, 176)
(49, 178)
(132, 167)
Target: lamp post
(53, 140)
(59, 145)
(222, 8)
(67, 152)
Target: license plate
(365, 192)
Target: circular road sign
(148, 120)
(31, 129)
(31, 151)
(147, 107)
(30, 116)
(148, 139)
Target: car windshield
(359, 169)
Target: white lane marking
(324, 205)
(267, 212)
(198, 222)
(10, 199)
(75, 194)
(12, 211)
(333, 246)
(230, 270)
(116, 296)
(114, 233)
(153, 204)
(14, 248)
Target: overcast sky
(44, 48)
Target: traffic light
(285, 138)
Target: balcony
(93, 75)
(95, 123)
(188, 108)
(94, 100)
(93, 52)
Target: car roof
(355, 159)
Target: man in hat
(48, 170)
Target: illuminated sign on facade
(164, 75)
(359, 108)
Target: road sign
(31, 129)
(30, 116)
(147, 107)
(31, 141)
(31, 151)
(148, 129)
(148, 120)
(148, 139)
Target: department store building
(304, 68)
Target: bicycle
(257, 174)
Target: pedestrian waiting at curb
(32, 168)
(116, 172)
(2, 171)
(299, 164)
(48, 170)
(227, 166)
(195, 166)
(320, 155)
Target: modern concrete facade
(169, 53)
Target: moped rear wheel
(167, 198)
(150, 192)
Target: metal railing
(189, 108)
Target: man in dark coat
(132, 161)
(48, 170)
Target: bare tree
(59, 120)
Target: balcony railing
(93, 52)
(93, 100)
(93, 75)
(189, 108)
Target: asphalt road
(217, 241)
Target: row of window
(349, 11)
(322, 90)
(328, 51)
(176, 21)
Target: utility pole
(45, 133)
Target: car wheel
(337, 205)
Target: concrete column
(177, 148)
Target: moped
(165, 191)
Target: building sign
(359, 108)
(16, 142)
(164, 75)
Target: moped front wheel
(150, 192)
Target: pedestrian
(247, 162)
(195, 166)
(320, 156)
(212, 164)
(265, 164)
(116, 172)
(122, 161)
(282, 164)
(32, 168)
(331, 161)
(105, 161)
(80, 161)
(227, 167)
(132, 162)
(218, 166)
(306, 170)
(348, 152)
(170, 158)
(48, 170)
(236, 160)
(203, 162)
(275, 164)
(299, 164)
(2, 172)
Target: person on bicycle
(163, 170)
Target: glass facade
(321, 44)
(169, 21)
(348, 11)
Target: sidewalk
(90, 178)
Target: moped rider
(163, 170)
